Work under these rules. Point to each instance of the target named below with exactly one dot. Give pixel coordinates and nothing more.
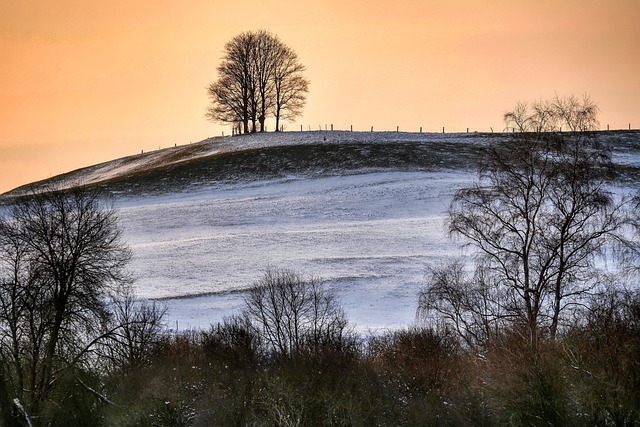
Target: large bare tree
(62, 260)
(541, 217)
(258, 75)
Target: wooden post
(331, 127)
(371, 128)
(607, 127)
(467, 130)
(397, 128)
(351, 128)
(300, 128)
(420, 129)
(442, 129)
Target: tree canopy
(259, 76)
(541, 217)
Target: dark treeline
(290, 358)
(415, 377)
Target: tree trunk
(278, 118)
(47, 364)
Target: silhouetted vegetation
(259, 76)
(65, 314)
(588, 376)
(232, 375)
(543, 221)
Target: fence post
(331, 127)
(300, 128)
(442, 129)
(397, 128)
(420, 129)
(371, 128)
(351, 128)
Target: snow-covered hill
(364, 211)
(248, 157)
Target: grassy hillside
(308, 154)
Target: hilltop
(316, 153)
(271, 155)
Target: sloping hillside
(366, 212)
(318, 153)
(275, 155)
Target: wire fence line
(423, 129)
(418, 129)
(351, 128)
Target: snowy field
(363, 211)
(370, 236)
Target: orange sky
(85, 81)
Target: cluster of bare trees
(293, 315)
(259, 77)
(544, 223)
(65, 302)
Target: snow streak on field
(371, 236)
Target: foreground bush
(225, 376)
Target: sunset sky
(84, 81)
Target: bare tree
(258, 76)
(61, 258)
(264, 63)
(471, 307)
(290, 86)
(228, 104)
(233, 94)
(293, 314)
(540, 217)
(136, 327)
